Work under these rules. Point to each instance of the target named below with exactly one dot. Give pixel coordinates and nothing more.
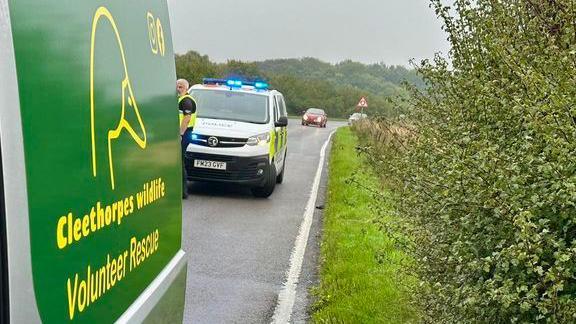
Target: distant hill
(378, 79)
(309, 82)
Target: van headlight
(260, 139)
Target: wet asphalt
(238, 247)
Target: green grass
(360, 281)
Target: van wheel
(268, 188)
(280, 177)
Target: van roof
(243, 89)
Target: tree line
(309, 82)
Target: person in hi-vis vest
(187, 113)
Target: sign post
(363, 103)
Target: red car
(315, 116)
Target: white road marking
(287, 295)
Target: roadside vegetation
(482, 167)
(362, 280)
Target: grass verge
(360, 277)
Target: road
(239, 247)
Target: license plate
(216, 165)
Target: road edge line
(287, 296)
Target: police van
(240, 135)
(90, 164)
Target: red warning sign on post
(363, 103)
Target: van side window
(282, 104)
(3, 255)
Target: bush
(484, 166)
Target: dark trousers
(185, 140)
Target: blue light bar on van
(258, 85)
(214, 81)
(234, 83)
(261, 85)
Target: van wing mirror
(281, 122)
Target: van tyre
(280, 177)
(268, 188)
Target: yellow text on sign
(88, 286)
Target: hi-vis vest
(181, 114)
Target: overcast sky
(369, 31)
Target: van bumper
(243, 170)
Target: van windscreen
(231, 105)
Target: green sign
(99, 112)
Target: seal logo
(128, 100)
